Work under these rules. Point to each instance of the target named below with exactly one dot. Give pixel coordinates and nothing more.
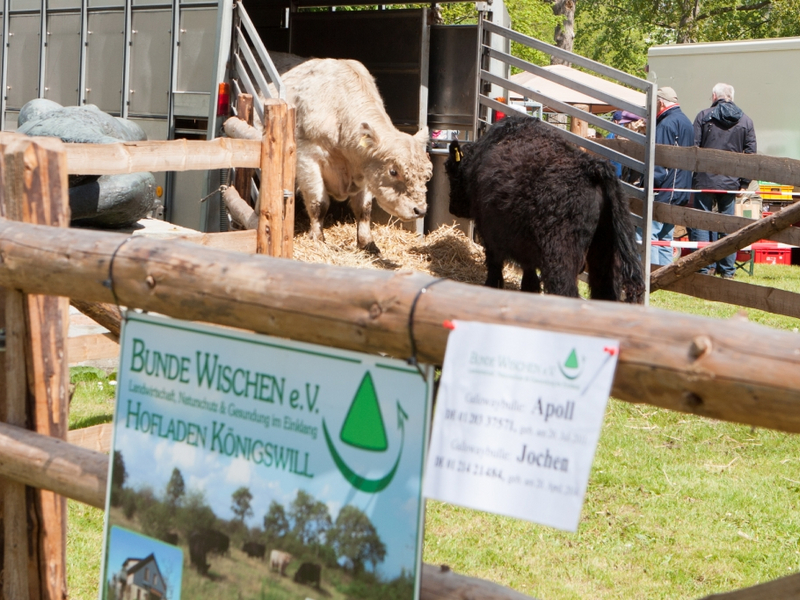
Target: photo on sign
(141, 567)
(274, 469)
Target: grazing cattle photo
(347, 147)
(205, 541)
(542, 202)
(254, 549)
(308, 573)
(279, 560)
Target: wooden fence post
(244, 110)
(289, 168)
(34, 186)
(269, 235)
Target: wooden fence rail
(785, 171)
(680, 276)
(681, 362)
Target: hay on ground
(445, 252)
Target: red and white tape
(696, 245)
(736, 192)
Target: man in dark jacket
(673, 128)
(723, 126)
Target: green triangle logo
(363, 427)
(572, 360)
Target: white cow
(347, 147)
(279, 560)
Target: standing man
(673, 128)
(723, 126)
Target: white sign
(517, 420)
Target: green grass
(93, 399)
(678, 507)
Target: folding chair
(745, 260)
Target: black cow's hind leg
(560, 276)
(494, 266)
(530, 281)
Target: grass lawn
(677, 506)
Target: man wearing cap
(723, 126)
(673, 128)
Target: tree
(355, 538)
(276, 525)
(620, 34)
(311, 518)
(175, 488)
(194, 514)
(564, 35)
(118, 477)
(241, 503)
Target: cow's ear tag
(457, 153)
(363, 143)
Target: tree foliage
(241, 503)
(194, 514)
(311, 518)
(276, 525)
(118, 477)
(355, 538)
(620, 33)
(176, 488)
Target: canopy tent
(568, 96)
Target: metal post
(126, 71)
(84, 47)
(4, 75)
(42, 46)
(647, 180)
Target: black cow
(308, 573)
(203, 542)
(254, 549)
(540, 201)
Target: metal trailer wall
(762, 72)
(145, 60)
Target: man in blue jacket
(723, 126)
(673, 128)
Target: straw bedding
(445, 252)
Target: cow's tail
(615, 268)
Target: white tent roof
(568, 96)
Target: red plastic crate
(774, 256)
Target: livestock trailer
(146, 60)
(160, 63)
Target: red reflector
(224, 100)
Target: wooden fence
(680, 362)
(681, 276)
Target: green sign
(248, 466)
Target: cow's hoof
(372, 248)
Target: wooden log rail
(680, 362)
(784, 171)
(725, 246)
(173, 155)
(701, 219)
